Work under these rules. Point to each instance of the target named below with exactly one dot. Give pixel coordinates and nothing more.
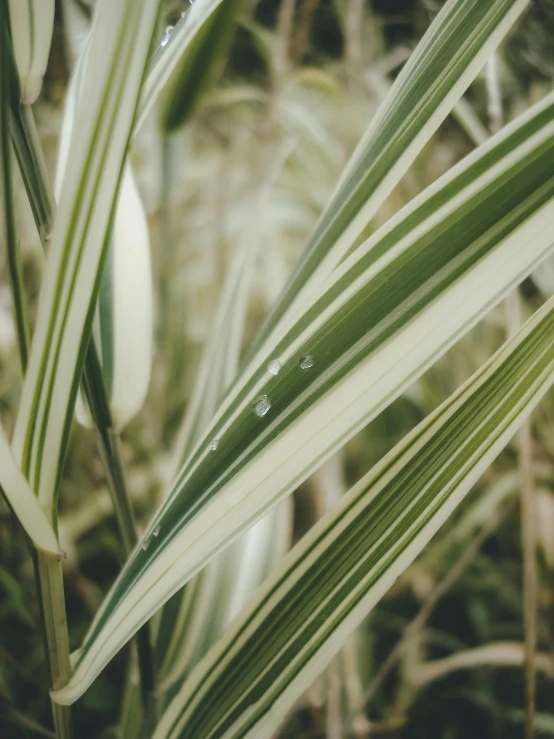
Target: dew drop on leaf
(167, 35)
(261, 405)
(156, 531)
(306, 362)
(274, 367)
(145, 545)
(214, 445)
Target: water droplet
(214, 445)
(63, 553)
(167, 35)
(306, 362)
(156, 531)
(145, 545)
(261, 405)
(274, 367)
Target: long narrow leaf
(168, 56)
(340, 570)
(119, 45)
(200, 64)
(380, 321)
(450, 55)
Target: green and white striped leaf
(123, 324)
(220, 592)
(448, 58)
(23, 502)
(338, 572)
(373, 327)
(168, 56)
(32, 24)
(199, 65)
(118, 51)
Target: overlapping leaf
(336, 574)
(449, 56)
(369, 330)
(118, 52)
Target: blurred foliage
(313, 85)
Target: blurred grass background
(301, 83)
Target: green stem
(109, 445)
(130, 719)
(37, 183)
(48, 570)
(8, 211)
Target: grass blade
(200, 64)
(338, 572)
(449, 56)
(119, 47)
(377, 323)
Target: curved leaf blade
(338, 572)
(118, 52)
(200, 64)
(452, 52)
(377, 323)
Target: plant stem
(129, 725)
(512, 306)
(109, 445)
(48, 570)
(8, 212)
(528, 537)
(495, 654)
(33, 170)
(353, 689)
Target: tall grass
(358, 261)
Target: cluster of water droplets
(169, 29)
(155, 533)
(262, 403)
